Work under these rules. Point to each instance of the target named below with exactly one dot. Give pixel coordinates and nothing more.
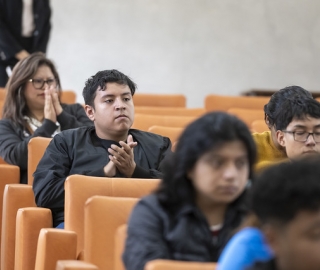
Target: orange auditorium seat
(68, 97)
(36, 148)
(224, 103)
(259, 126)
(144, 122)
(159, 100)
(173, 111)
(247, 115)
(172, 133)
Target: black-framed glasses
(39, 83)
(302, 136)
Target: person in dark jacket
(32, 109)
(286, 200)
(109, 149)
(201, 196)
(24, 29)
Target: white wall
(194, 47)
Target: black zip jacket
(155, 233)
(80, 151)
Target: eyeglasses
(39, 83)
(302, 136)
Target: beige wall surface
(194, 47)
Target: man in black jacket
(109, 149)
(24, 28)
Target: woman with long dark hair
(201, 197)
(32, 108)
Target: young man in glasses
(298, 127)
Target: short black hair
(276, 100)
(99, 81)
(204, 134)
(296, 108)
(281, 191)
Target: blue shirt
(244, 249)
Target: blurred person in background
(24, 29)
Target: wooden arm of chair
(179, 265)
(75, 265)
(55, 245)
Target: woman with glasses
(32, 108)
(200, 200)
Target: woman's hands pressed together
(52, 106)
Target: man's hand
(123, 156)
(110, 169)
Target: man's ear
(273, 237)
(89, 111)
(268, 122)
(281, 138)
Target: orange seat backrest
(15, 196)
(78, 188)
(224, 103)
(36, 148)
(29, 222)
(159, 100)
(103, 216)
(247, 115)
(68, 97)
(144, 122)
(9, 174)
(172, 133)
(173, 111)
(54, 245)
(259, 126)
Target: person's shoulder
(73, 106)
(261, 135)
(249, 235)
(150, 208)
(79, 131)
(150, 200)
(7, 123)
(142, 135)
(152, 203)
